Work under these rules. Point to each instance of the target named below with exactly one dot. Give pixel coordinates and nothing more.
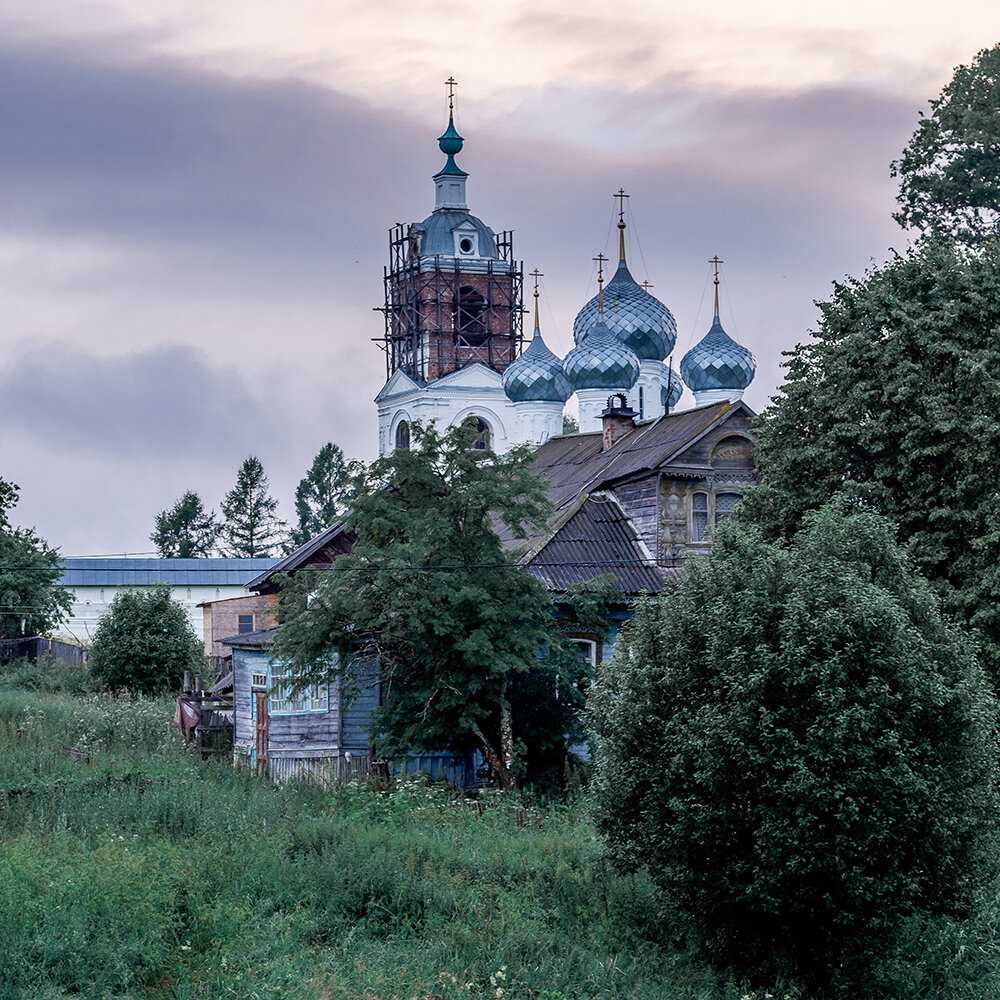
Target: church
(636, 492)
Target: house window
(313, 698)
(403, 435)
(258, 680)
(725, 504)
(484, 437)
(586, 649)
(470, 317)
(699, 517)
(245, 624)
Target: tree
(950, 170)
(319, 497)
(570, 425)
(144, 643)
(469, 650)
(251, 527)
(899, 392)
(800, 748)
(186, 530)
(31, 600)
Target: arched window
(725, 504)
(403, 435)
(699, 517)
(484, 436)
(470, 318)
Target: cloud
(190, 258)
(166, 401)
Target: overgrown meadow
(130, 869)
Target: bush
(801, 750)
(144, 643)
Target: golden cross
(621, 196)
(536, 274)
(715, 262)
(451, 83)
(600, 258)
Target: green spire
(450, 141)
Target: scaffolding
(426, 334)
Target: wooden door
(260, 730)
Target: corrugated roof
(174, 572)
(252, 640)
(596, 539)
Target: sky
(194, 201)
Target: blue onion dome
(672, 388)
(717, 362)
(640, 320)
(537, 375)
(450, 142)
(601, 361)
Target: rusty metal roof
(596, 538)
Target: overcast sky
(194, 201)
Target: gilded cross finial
(451, 83)
(536, 274)
(600, 258)
(715, 262)
(621, 196)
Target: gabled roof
(320, 550)
(399, 383)
(174, 572)
(594, 536)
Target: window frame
(402, 428)
(240, 630)
(316, 697)
(704, 539)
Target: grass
(140, 872)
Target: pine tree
(319, 496)
(251, 527)
(186, 530)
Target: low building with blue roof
(94, 584)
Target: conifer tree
(186, 530)
(251, 527)
(319, 497)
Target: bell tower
(453, 289)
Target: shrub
(144, 643)
(800, 749)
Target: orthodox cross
(536, 274)
(600, 258)
(621, 196)
(646, 285)
(451, 83)
(715, 262)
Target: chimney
(618, 420)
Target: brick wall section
(222, 618)
(434, 301)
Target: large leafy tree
(185, 530)
(469, 652)
(144, 643)
(801, 749)
(899, 392)
(319, 497)
(950, 170)
(251, 527)
(31, 600)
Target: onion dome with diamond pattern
(601, 361)
(672, 388)
(717, 362)
(537, 376)
(639, 320)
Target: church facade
(456, 350)
(636, 494)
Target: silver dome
(601, 361)
(718, 362)
(639, 320)
(537, 375)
